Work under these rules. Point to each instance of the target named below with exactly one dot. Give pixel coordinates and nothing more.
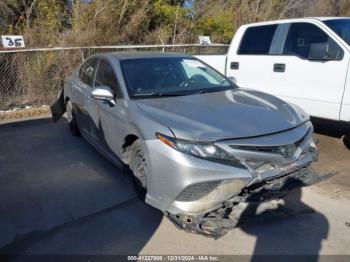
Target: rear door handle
(234, 65)
(279, 68)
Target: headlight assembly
(207, 151)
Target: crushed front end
(275, 166)
(218, 222)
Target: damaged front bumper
(205, 197)
(221, 220)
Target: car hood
(223, 115)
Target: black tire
(72, 120)
(136, 150)
(140, 191)
(346, 140)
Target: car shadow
(289, 238)
(59, 196)
(332, 128)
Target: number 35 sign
(12, 41)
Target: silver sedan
(196, 144)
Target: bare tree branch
(122, 11)
(95, 16)
(291, 5)
(175, 24)
(28, 11)
(257, 9)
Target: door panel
(79, 90)
(314, 74)
(317, 87)
(83, 86)
(79, 93)
(108, 119)
(249, 64)
(113, 121)
(92, 108)
(254, 72)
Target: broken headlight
(207, 151)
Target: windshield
(341, 27)
(171, 76)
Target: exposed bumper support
(218, 222)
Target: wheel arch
(127, 143)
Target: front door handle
(234, 65)
(279, 68)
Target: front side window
(341, 27)
(310, 42)
(88, 71)
(105, 76)
(257, 40)
(170, 76)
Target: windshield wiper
(161, 94)
(211, 91)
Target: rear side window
(106, 76)
(310, 42)
(257, 40)
(88, 71)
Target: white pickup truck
(304, 61)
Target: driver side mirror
(103, 93)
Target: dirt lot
(60, 196)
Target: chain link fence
(34, 77)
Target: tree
(104, 22)
(23, 9)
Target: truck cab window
(257, 40)
(341, 27)
(106, 77)
(310, 42)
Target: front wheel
(138, 166)
(72, 120)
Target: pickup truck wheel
(138, 166)
(72, 121)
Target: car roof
(141, 54)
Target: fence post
(82, 55)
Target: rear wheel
(138, 166)
(72, 121)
